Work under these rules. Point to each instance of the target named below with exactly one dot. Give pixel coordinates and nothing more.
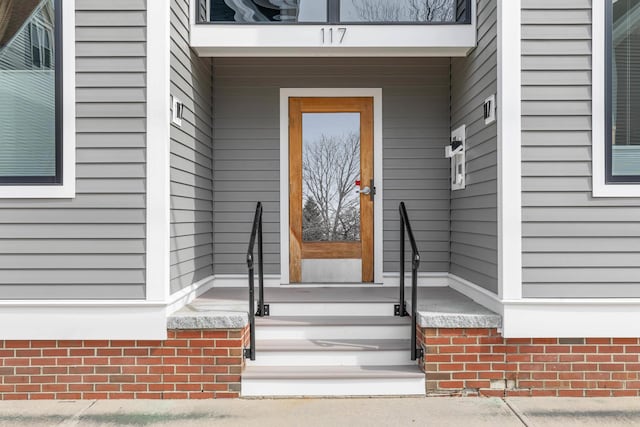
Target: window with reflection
(330, 170)
(29, 92)
(338, 11)
(397, 10)
(261, 11)
(623, 59)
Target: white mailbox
(456, 152)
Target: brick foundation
(480, 361)
(189, 364)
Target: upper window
(623, 91)
(30, 92)
(336, 11)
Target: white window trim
(600, 187)
(285, 94)
(68, 188)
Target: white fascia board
(359, 40)
(68, 188)
(509, 150)
(303, 52)
(158, 151)
(598, 95)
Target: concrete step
(333, 381)
(334, 327)
(332, 352)
(330, 308)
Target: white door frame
(285, 94)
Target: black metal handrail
(263, 310)
(401, 309)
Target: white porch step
(336, 327)
(333, 381)
(332, 352)
(285, 308)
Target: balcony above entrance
(236, 28)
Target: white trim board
(598, 98)
(232, 40)
(509, 150)
(273, 281)
(480, 295)
(83, 320)
(285, 94)
(140, 319)
(567, 319)
(188, 294)
(524, 318)
(158, 151)
(68, 188)
(558, 317)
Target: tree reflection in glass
(330, 168)
(397, 10)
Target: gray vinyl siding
(574, 245)
(474, 227)
(247, 144)
(191, 158)
(91, 246)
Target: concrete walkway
(439, 412)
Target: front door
(331, 191)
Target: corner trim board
(158, 151)
(509, 113)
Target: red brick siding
(189, 364)
(470, 361)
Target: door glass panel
(249, 11)
(330, 168)
(397, 10)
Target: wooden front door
(330, 168)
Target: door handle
(370, 190)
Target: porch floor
(438, 307)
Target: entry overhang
(233, 40)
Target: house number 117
(333, 35)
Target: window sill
(67, 191)
(615, 190)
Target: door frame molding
(376, 94)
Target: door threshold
(332, 285)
